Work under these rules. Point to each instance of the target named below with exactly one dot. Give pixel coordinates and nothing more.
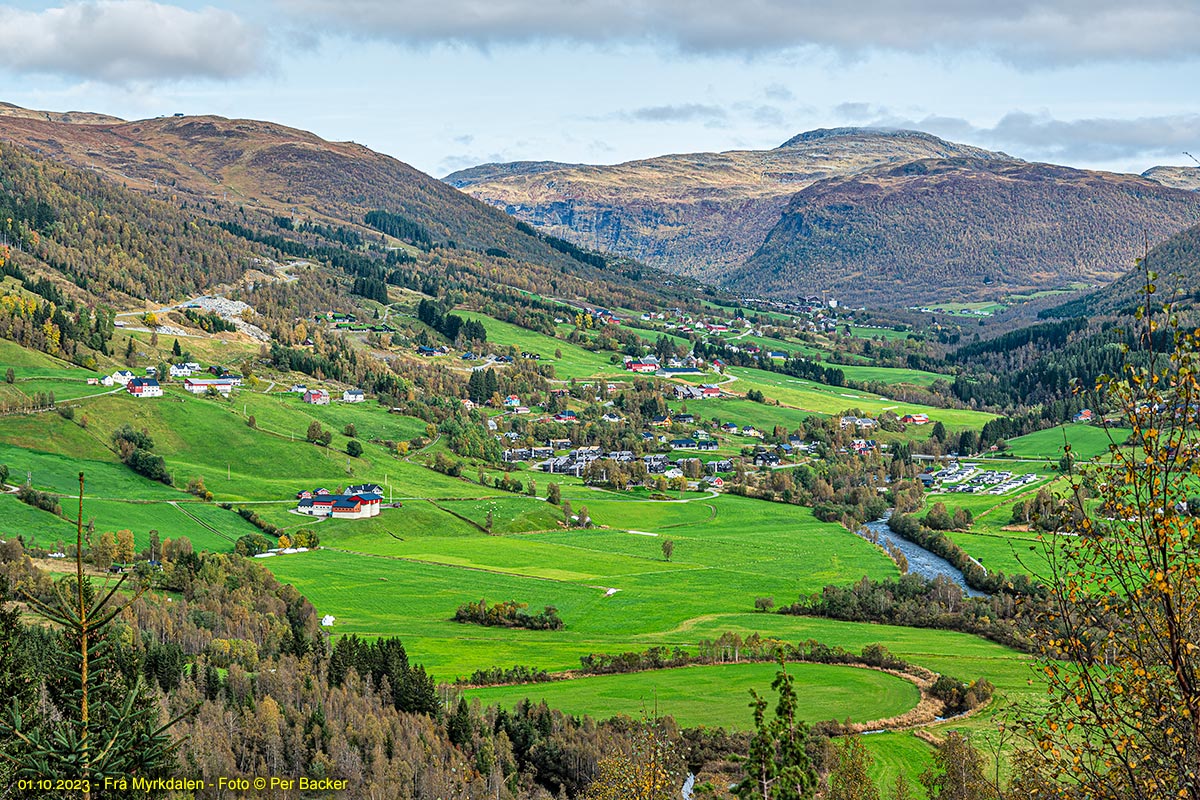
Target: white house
(179, 370)
(121, 377)
(342, 506)
(352, 396)
(144, 387)
(202, 385)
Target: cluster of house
(577, 460)
(861, 423)
(320, 397)
(356, 502)
(148, 386)
(968, 479)
(745, 430)
(651, 365)
(700, 440)
(708, 391)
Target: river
(921, 561)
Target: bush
(354, 448)
(509, 614)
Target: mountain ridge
(962, 230)
(697, 214)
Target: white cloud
(1024, 32)
(1043, 137)
(684, 112)
(120, 41)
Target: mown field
(1087, 441)
(686, 693)
(576, 361)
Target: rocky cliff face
(700, 214)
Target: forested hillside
(1175, 264)
(961, 229)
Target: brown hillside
(962, 229)
(700, 214)
(271, 168)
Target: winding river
(920, 561)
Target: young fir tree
(98, 720)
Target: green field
(728, 551)
(720, 695)
(1087, 441)
(576, 361)
(822, 399)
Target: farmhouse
(766, 459)
(202, 385)
(317, 397)
(352, 396)
(179, 370)
(144, 387)
(359, 505)
(865, 423)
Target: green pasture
(876, 333)
(576, 361)
(822, 399)
(728, 551)
(865, 373)
(1087, 441)
(719, 695)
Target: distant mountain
(699, 214)
(485, 173)
(1175, 177)
(1176, 265)
(69, 117)
(961, 229)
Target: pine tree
(777, 766)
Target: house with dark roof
(144, 387)
(359, 505)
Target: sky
(447, 84)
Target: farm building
(144, 387)
(317, 397)
(202, 385)
(341, 506)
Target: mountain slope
(1176, 265)
(270, 167)
(698, 214)
(961, 229)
